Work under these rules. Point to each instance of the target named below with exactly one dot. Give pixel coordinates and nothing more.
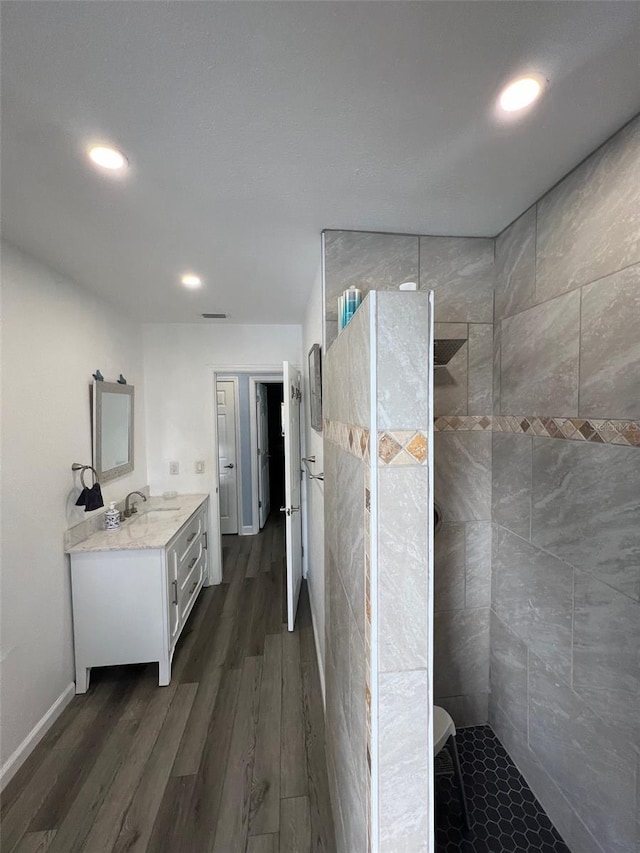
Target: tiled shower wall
(461, 272)
(377, 433)
(565, 629)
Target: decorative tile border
(597, 430)
(397, 447)
(353, 439)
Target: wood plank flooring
(229, 758)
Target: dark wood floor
(229, 757)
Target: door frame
(271, 378)
(213, 370)
(221, 377)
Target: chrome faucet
(128, 512)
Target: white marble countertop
(153, 526)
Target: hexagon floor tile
(505, 815)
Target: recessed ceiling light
(108, 158)
(191, 281)
(520, 94)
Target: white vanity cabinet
(130, 605)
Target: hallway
(228, 758)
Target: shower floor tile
(505, 815)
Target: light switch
(174, 467)
(200, 466)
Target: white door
(262, 415)
(227, 459)
(292, 463)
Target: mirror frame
(100, 388)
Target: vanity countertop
(153, 526)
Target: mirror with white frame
(112, 430)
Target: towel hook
(82, 468)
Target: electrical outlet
(174, 467)
(200, 466)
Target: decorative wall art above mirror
(112, 429)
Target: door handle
(174, 584)
(230, 465)
(289, 509)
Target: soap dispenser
(112, 517)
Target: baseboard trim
(17, 759)
(248, 530)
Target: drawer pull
(192, 537)
(193, 562)
(174, 584)
(195, 584)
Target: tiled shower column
(378, 489)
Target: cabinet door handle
(174, 584)
(195, 584)
(193, 562)
(206, 540)
(192, 537)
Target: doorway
(270, 449)
(228, 454)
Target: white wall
(179, 360)
(312, 334)
(54, 336)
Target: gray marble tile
(461, 652)
(497, 361)
(589, 761)
(532, 593)
(349, 785)
(478, 564)
(358, 393)
(330, 464)
(508, 674)
(610, 346)
(511, 498)
(586, 506)
(339, 641)
(480, 369)
(589, 224)
(471, 710)
(556, 805)
(368, 261)
(357, 723)
(461, 272)
(606, 654)
(350, 523)
(450, 382)
(336, 379)
(402, 360)
(449, 567)
(516, 266)
(539, 359)
(405, 762)
(463, 475)
(451, 331)
(403, 569)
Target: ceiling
(252, 126)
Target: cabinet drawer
(193, 529)
(189, 560)
(191, 587)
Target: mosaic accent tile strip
(599, 431)
(402, 447)
(575, 429)
(353, 439)
(398, 447)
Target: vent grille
(215, 316)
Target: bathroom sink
(156, 512)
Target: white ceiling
(250, 127)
